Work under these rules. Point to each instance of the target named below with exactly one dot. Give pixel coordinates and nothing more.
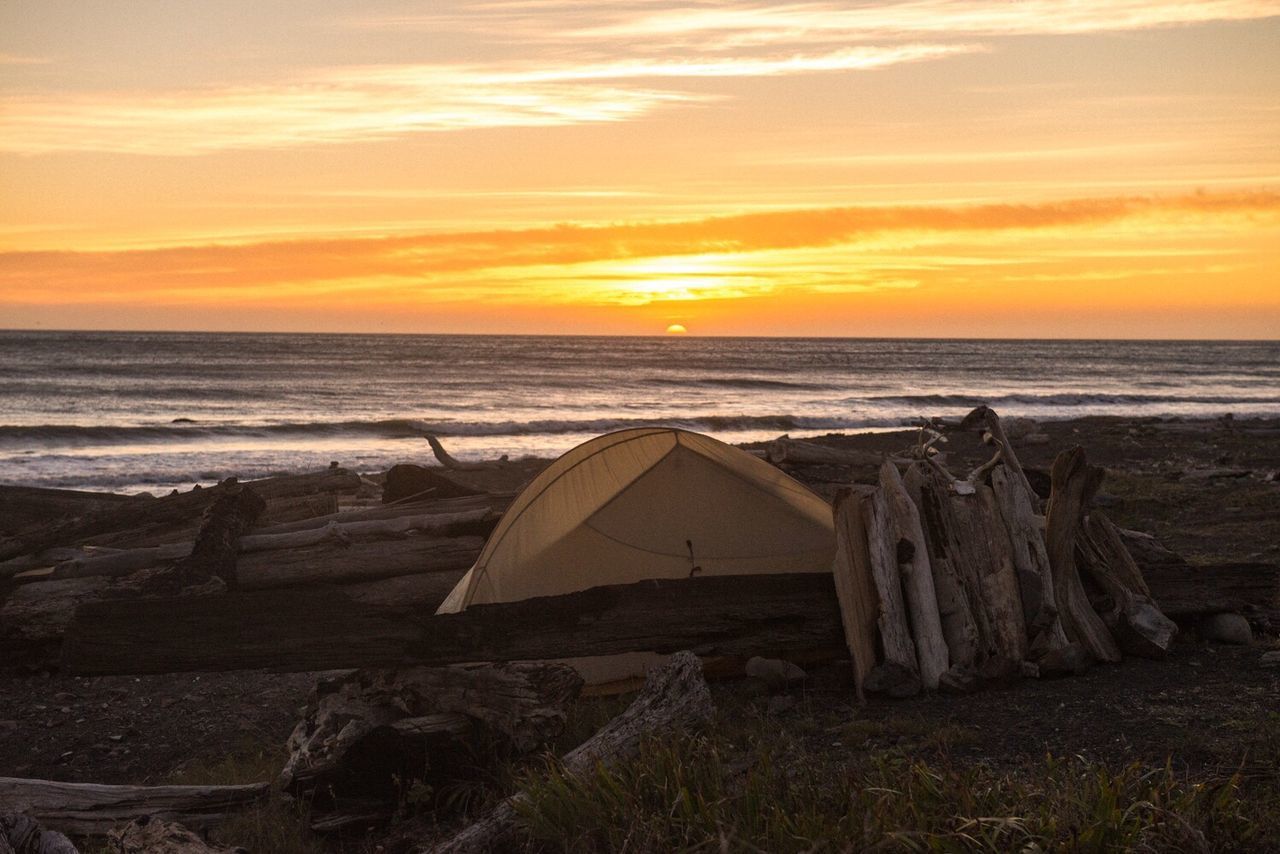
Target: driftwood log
(790, 451)
(365, 733)
(912, 556)
(855, 585)
(85, 809)
(1130, 613)
(213, 554)
(324, 629)
(448, 461)
(675, 696)
(898, 674)
(1074, 484)
(150, 521)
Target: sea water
(145, 411)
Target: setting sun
(676, 329)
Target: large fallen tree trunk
(674, 696)
(784, 449)
(91, 809)
(325, 629)
(445, 507)
(139, 522)
(24, 506)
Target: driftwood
(855, 586)
(985, 419)
(1031, 560)
(140, 522)
(1074, 484)
(929, 491)
(322, 629)
(291, 509)
(213, 554)
(899, 673)
(92, 809)
(674, 697)
(357, 562)
(1132, 616)
(20, 834)
(446, 507)
(411, 483)
(453, 464)
(334, 536)
(912, 555)
(784, 449)
(24, 506)
(364, 730)
(147, 835)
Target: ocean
(144, 411)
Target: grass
(756, 789)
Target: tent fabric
(648, 503)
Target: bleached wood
(855, 587)
(1135, 620)
(1074, 483)
(917, 577)
(882, 550)
(784, 449)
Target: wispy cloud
(622, 263)
(385, 101)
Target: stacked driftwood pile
(282, 533)
(947, 582)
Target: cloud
(742, 254)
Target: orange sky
(931, 168)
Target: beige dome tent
(648, 503)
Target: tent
(648, 503)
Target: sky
(932, 168)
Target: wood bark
(1074, 483)
(900, 670)
(324, 629)
(213, 554)
(284, 510)
(445, 507)
(362, 730)
(357, 562)
(855, 586)
(999, 579)
(912, 555)
(675, 696)
(1031, 560)
(795, 452)
(92, 809)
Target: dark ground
(1203, 705)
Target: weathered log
(449, 462)
(406, 482)
(323, 629)
(784, 449)
(965, 532)
(147, 835)
(929, 491)
(364, 730)
(855, 586)
(24, 506)
(34, 618)
(425, 590)
(494, 503)
(334, 536)
(882, 550)
(1074, 483)
(985, 419)
(292, 509)
(92, 809)
(141, 522)
(917, 577)
(1134, 619)
(213, 554)
(674, 697)
(357, 562)
(1031, 560)
(20, 834)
